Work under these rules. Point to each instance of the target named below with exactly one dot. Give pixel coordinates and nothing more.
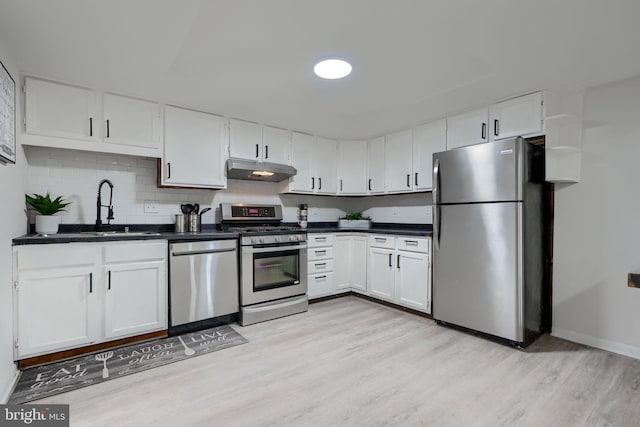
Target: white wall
(597, 227)
(13, 223)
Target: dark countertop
(73, 233)
(34, 239)
(396, 231)
(378, 228)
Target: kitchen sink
(88, 234)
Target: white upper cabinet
(276, 145)
(251, 141)
(315, 160)
(194, 149)
(427, 139)
(324, 162)
(245, 140)
(352, 167)
(301, 159)
(59, 110)
(376, 165)
(398, 154)
(131, 121)
(468, 128)
(522, 116)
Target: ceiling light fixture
(332, 68)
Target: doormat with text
(59, 377)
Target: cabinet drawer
(314, 240)
(53, 256)
(414, 244)
(320, 266)
(320, 284)
(379, 241)
(319, 253)
(135, 251)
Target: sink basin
(88, 234)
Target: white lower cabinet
(396, 269)
(399, 270)
(76, 294)
(380, 273)
(350, 262)
(320, 278)
(55, 309)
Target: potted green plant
(355, 221)
(47, 222)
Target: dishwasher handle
(202, 252)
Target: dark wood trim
(160, 185)
(67, 354)
(372, 299)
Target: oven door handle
(253, 250)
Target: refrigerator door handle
(436, 181)
(436, 228)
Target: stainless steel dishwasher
(203, 284)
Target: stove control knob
(262, 240)
(276, 239)
(292, 238)
(254, 240)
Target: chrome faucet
(100, 205)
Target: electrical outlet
(150, 206)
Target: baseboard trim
(7, 393)
(372, 299)
(591, 341)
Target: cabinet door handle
(266, 151)
(109, 281)
(168, 170)
(390, 257)
(108, 133)
(416, 180)
(313, 183)
(90, 126)
(90, 282)
(408, 180)
(369, 184)
(340, 185)
(483, 133)
(319, 183)
(398, 262)
(496, 127)
(257, 150)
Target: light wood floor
(350, 362)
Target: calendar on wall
(7, 116)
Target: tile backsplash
(75, 176)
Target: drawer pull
(380, 239)
(320, 277)
(321, 252)
(321, 264)
(411, 242)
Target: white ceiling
(412, 60)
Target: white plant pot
(47, 224)
(357, 224)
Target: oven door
(273, 272)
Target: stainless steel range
(273, 262)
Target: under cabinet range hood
(258, 171)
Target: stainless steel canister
(195, 223)
(182, 223)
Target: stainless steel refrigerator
(488, 239)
